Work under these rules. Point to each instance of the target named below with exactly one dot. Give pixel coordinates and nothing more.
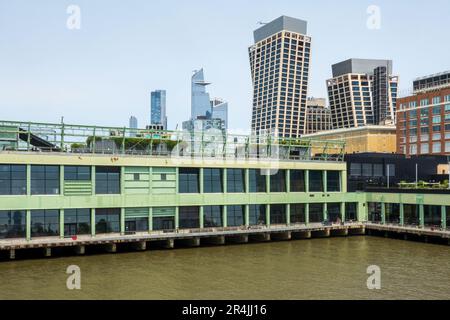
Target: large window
(432, 216)
(13, 179)
(315, 212)
(392, 213)
(315, 181)
(411, 214)
(189, 217)
(77, 221)
(188, 180)
(107, 221)
(107, 180)
(213, 216)
(277, 214)
(235, 216)
(257, 180)
(374, 212)
(212, 180)
(44, 179)
(333, 181)
(12, 224)
(44, 223)
(278, 181)
(235, 180)
(334, 212)
(297, 213)
(136, 224)
(163, 223)
(77, 173)
(351, 211)
(297, 181)
(257, 214)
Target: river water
(332, 268)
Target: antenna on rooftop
(261, 22)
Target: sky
(103, 73)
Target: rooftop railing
(211, 143)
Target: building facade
(424, 118)
(158, 108)
(220, 111)
(279, 62)
(318, 116)
(362, 92)
(362, 139)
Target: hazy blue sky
(104, 72)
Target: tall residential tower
(362, 92)
(279, 62)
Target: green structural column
(202, 218)
(402, 215)
(61, 180)
(150, 219)
(343, 211)
(177, 217)
(288, 180)
(224, 217)
(224, 182)
(201, 180)
(268, 215)
(383, 213)
(421, 216)
(325, 212)
(247, 215)
(444, 217)
(343, 177)
(93, 222)
(61, 223)
(306, 213)
(324, 177)
(150, 179)
(28, 225)
(28, 180)
(122, 180)
(93, 178)
(288, 214)
(122, 220)
(306, 180)
(247, 180)
(177, 171)
(268, 172)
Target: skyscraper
(200, 102)
(214, 113)
(318, 116)
(362, 92)
(279, 62)
(133, 124)
(220, 110)
(158, 108)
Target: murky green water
(332, 268)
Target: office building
(133, 124)
(279, 62)
(220, 111)
(365, 139)
(362, 92)
(424, 117)
(318, 116)
(158, 108)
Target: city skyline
(105, 66)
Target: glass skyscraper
(158, 108)
(200, 102)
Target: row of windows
(46, 223)
(213, 181)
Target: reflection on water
(333, 268)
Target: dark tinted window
(235, 216)
(13, 179)
(44, 223)
(235, 180)
(188, 180)
(107, 221)
(257, 180)
(278, 181)
(257, 214)
(297, 181)
(77, 173)
(297, 213)
(77, 221)
(12, 224)
(107, 180)
(315, 181)
(212, 180)
(189, 218)
(333, 181)
(44, 179)
(212, 216)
